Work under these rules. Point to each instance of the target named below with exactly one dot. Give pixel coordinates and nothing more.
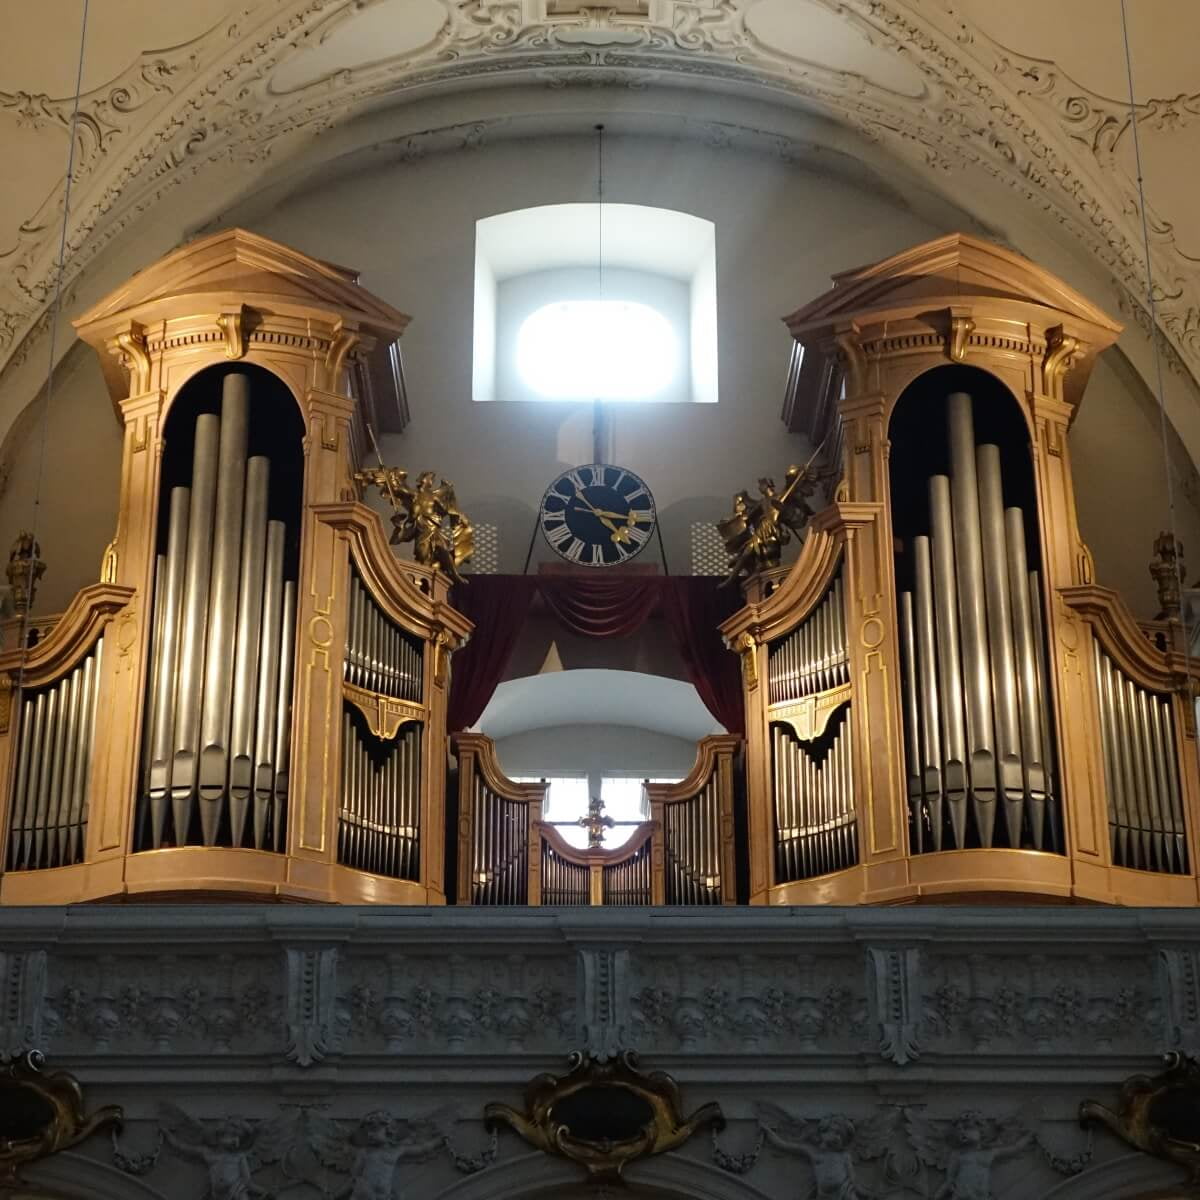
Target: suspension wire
(55, 314)
(599, 409)
(1151, 303)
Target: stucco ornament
(230, 1149)
(831, 1145)
(966, 1148)
(375, 1148)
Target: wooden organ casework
(941, 702)
(682, 855)
(252, 700)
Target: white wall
(595, 750)
(781, 230)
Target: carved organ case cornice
(254, 701)
(1012, 731)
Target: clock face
(597, 516)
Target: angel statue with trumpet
(757, 531)
(426, 515)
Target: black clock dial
(598, 515)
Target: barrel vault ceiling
(1017, 111)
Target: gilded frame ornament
(42, 1113)
(1158, 1114)
(650, 1121)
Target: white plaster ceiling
(1016, 112)
(597, 697)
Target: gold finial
(425, 515)
(25, 569)
(595, 823)
(1167, 571)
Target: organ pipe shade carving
(815, 821)
(55, 747)
(216, 737)
(977, 729)
(379, 820)
(1141, 773)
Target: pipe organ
(941, 701)
(984, 719)
(253, 701)
(508, 855)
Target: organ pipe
(170, 605)
(979, 666)
(1141, 772)
(189, 689)
(223, 630)
(48, 825)
(222, 608)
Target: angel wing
(1009, 1133)
(273, 1140)
(182, 1131)
(445, 496)
(928, 1139)
(794, 1129)
(432, 1127)
(872, 1137)
(330, 1143)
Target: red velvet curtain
(604, 607)
(498, 604)
(694, 606)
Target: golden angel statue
(757, 531)
(426, 515)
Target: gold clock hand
(602, 519)
(632, 517)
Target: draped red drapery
(603, 607)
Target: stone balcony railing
(900, 1020)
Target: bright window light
(597, 350)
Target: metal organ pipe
(246, 659)
(219, 703)
(1000, 640)
(1025, 649)
(222, 600)
(975, 673)
(194, 626)
(972, 613)
(162, 702)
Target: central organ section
(217, 738)
(978, 736)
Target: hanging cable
(55, 314)
(599, 411)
